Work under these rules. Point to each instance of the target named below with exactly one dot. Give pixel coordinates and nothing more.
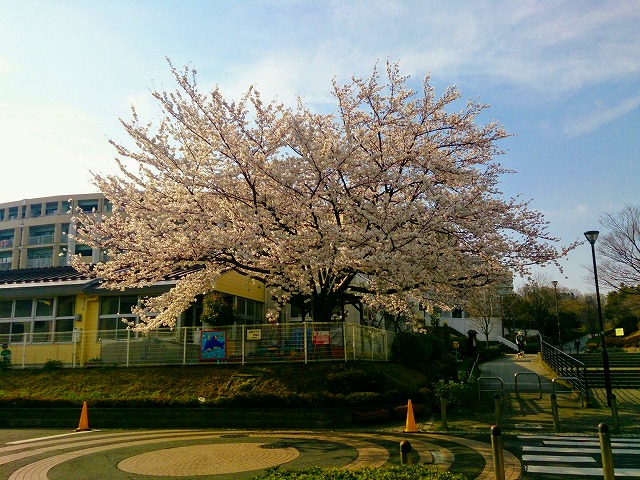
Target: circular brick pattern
(210, 459)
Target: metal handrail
(553, 386)
(566, 366)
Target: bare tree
(619, 249)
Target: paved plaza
(532, 450)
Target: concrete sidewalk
(528, 412)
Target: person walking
(577, 345)
(520, 344)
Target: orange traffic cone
(84, 419)
(411, 422)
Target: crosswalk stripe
(623, 451)
(582, 471)
(593, 444)
(557, 458)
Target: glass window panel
(109, 305)
(65, 306)
(23, 308)
(44, 307)
(84, 250)
(42, 330)
(5, 328)
(5, 308)
(64, 330)
(108, 323)
(251, 308)
(18, 329)
(51, 208)
(126, 303)
(240, 305)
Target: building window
(115, 313)
(84, 250)
(107, 206)
(51, 208)
(66, 207)
(1, 214)
(88, 205)
(13, 213)
(6, 238)
(42, 320)
(249, 310)
(35, 210)
(5, 260)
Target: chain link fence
(234, 344)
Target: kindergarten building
(50, 312)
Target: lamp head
(554, 283)
(592, 236)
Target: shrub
(52, 365)
(490, 353)
(411, 349)
(420, 471)
(456, 394)
(349, 380)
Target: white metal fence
(240, 344)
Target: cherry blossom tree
(393, 197)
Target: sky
(563, 77)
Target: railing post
(498, 454)
(498, 408)
(605, 449)
(554, 413)
(306, 347)
(244, 338)
(344, 340)
(443, 413)
(184, 346)
(128, 345)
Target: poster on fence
(213, 345)
(321, 337)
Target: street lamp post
(592, 236)
(555, 291)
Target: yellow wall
(234, 283)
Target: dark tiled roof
(66, 274)
(40, 275)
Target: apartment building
(50, 311)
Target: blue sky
(562, 76)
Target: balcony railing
(41, 240)
(39, 262)
(6, 243)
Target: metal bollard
(605, 449)
(614, 413)
(443, 412)
(498, 454)
(498, 406)
(405, 453)
(554, 413)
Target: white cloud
(598, 116)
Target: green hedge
(408, 472)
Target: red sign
(322, 337)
